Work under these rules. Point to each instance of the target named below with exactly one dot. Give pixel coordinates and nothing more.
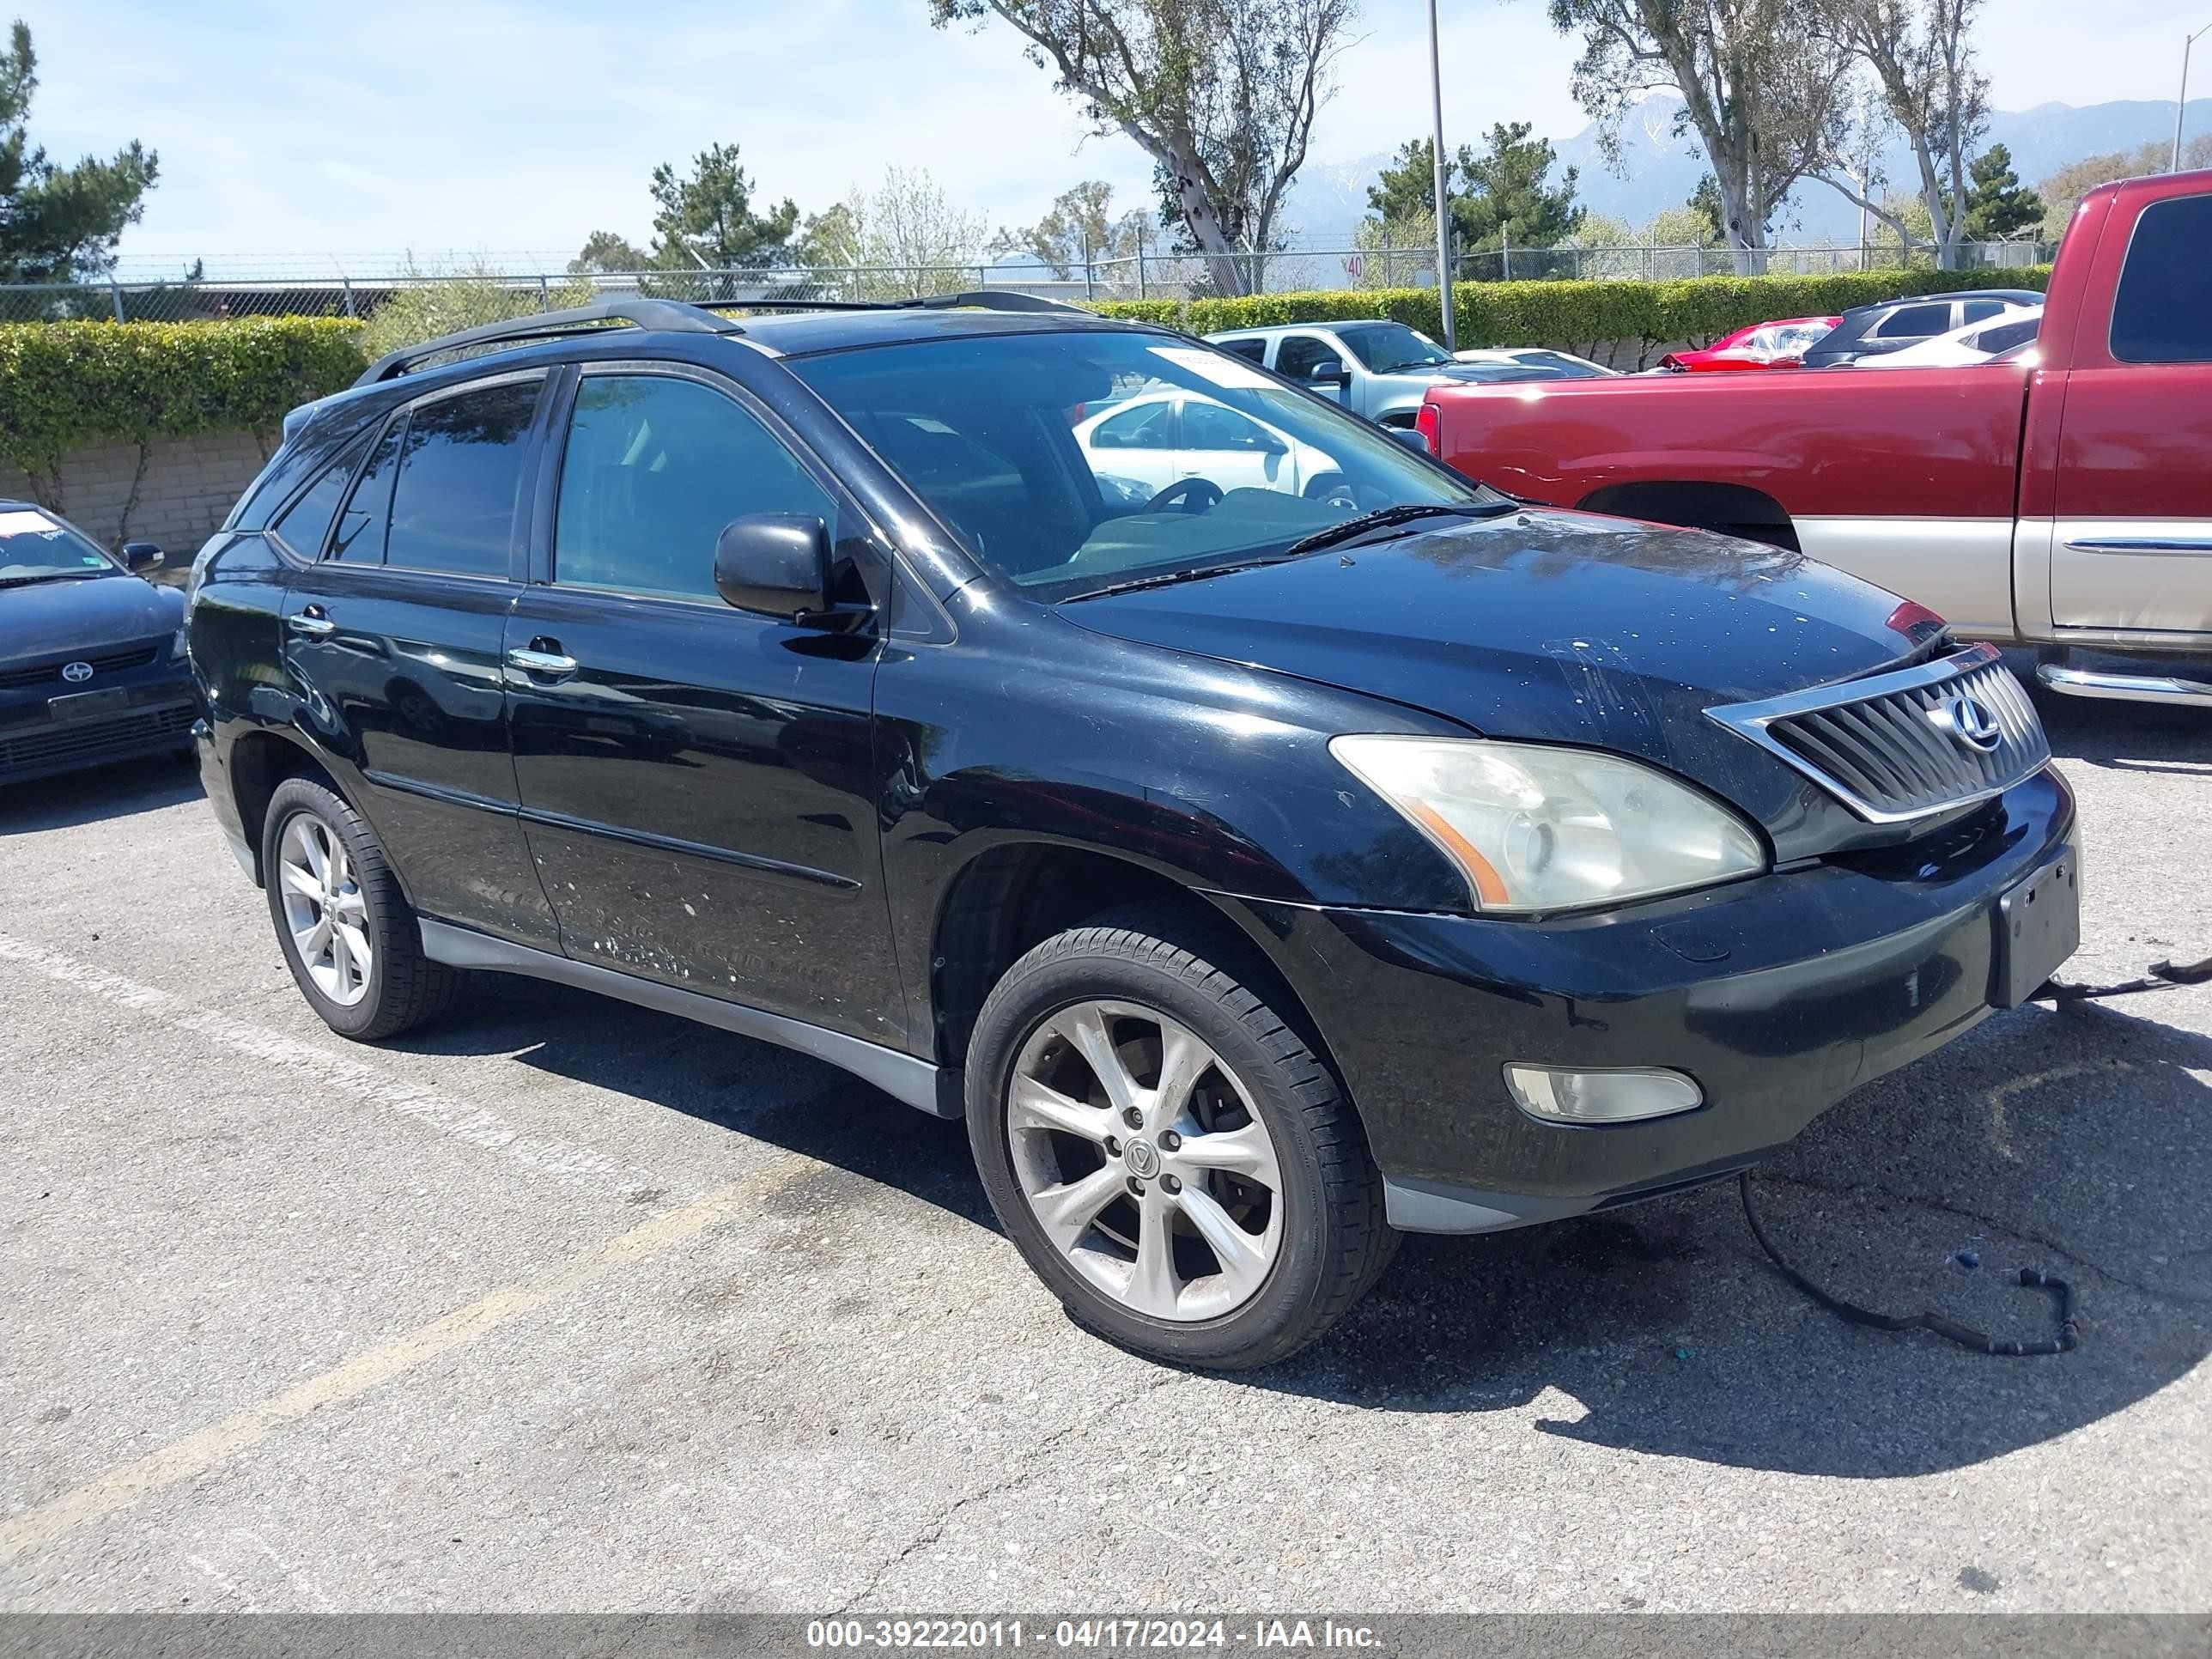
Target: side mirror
(138, 558)
(1329, 371)
(779, 564)
(1412, 438)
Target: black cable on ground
(2163, 976)
(1927, 1320)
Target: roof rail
(668, 314)
(981, 299)
(677, 317)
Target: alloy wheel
(1144, 1161)
(324, 909)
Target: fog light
(1559, 1096)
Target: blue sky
(300, 130)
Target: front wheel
(1168, 1154)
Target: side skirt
(902, 1076)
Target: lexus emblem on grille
(76, 673)
(1968, 719)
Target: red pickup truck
(2061, 499)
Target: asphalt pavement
(568, 1306)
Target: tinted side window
(2163, 311)
(460, 471)
(1145, 427)
(304, 525)
(1209, 426)
(2005, 335)
(656, 466)
(1980, 311)
(1253, 351)
(1295, 356)
(1915, 322)
(360, 539)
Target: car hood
(48, 619)
(1551, 626)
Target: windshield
(1385, 346)
(34, 547)
(1076, 461)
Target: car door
(393, 636)
(1296, 356)
(1137, 444)
(2131, 546)
(1232, 451)
(697, 783)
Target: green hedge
(63, 386)
(1578, 315)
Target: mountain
(1660, 170)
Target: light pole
(1443, 217)
(2180, 107)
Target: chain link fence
(501, 293)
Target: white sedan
(1161, 437)
(1533, 363)
(1976, 342)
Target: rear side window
(655, 467)
(360, 538)
(304, 525)
(1915, 322)
(1253, 351)
(460, 476)
(2163, 311)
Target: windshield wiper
(45, 576)
(1383, 517)
(1170, 578)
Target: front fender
(1214, 776)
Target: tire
(1320, 1230)
(402, 988)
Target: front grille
(50, 673)
(89, 740)
(1889, 746)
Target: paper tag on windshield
(1233, 374)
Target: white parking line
(317, 1068)
(196, 1454)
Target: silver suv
(1373, 367)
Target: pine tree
(1997, 203)
(59, 224)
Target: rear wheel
(346, 930)
(1169, 1157)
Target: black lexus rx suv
(1268, 839)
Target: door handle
(547, 665)
(313, 624)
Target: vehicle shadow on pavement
(97, 796)
(789, 1100)
(2131, 736)
(2080, 1143)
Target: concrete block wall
(189, 487)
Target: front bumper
(1776, 995)
(153, 716)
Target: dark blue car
(92, 659)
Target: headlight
(177, 646)
(1540, 829)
